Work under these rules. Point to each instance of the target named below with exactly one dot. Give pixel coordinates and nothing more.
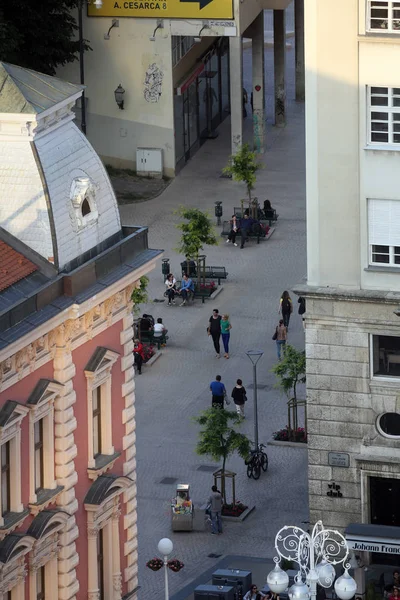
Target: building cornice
(347, 294)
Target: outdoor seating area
(149, 337)
(259, 232)
(201, 290)
(205, 272)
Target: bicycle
(257, 460)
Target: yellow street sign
(167, 9)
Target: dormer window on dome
(83, 199)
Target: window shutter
(384, 222)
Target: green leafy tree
(39, 35)
(219, 439)
(243, 167)
(139, 295)
(290, 371)
(197, 231)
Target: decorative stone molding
(82, 198)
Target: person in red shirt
(138, 352)
(395, 595)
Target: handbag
(275, 336)
(245, 397)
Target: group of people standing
(285, 310)
(219, 327)
(187, 287)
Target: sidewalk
(176, 387)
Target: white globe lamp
(326, 573)
(278, 580)
(345, 586)
(299, 590)
(165, 547)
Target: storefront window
(178, 116)
(225, 95)
(193, 121)
(214, 68)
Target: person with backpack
(285, 308)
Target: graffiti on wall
(153, 83)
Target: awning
(189, 79)
(364, 537)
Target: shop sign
(339, 459)
(167, 9)
(374, 545)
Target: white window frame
(390, 110)
(391, 6)
(101, 377)
(380, 430)
(11, 432)
(391, 243)
(43, 410)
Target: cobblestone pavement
(175, 388)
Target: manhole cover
(168, 480)
(207, 468)
(212, 555)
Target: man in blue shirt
(186, 287)
(218, 392)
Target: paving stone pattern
(176, 387)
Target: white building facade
(181, 76)
(352, 50)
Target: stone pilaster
(129, 447)
(65, 453)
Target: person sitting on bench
(187, 286)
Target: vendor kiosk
(182, 509)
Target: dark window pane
(396, 138)
(377, 126)
(379, 24)
(396, 101)
(390, 423)
(380, 116)
(379, 90)
(396, 91)
(379, 101)
(379, 12)
(382, 249)
(397, 259)
(379, 137)
(396, 127)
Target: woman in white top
(254, 594)
(159, 328)
(170, 284)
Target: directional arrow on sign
(202, 3)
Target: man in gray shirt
(215, 502)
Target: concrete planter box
(153, 359)
(242, 517)
(301, 445)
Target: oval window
(389, 424)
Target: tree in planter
(243, 167)
(291, 371)
(219, 439)
(139, 295)
(197, 231)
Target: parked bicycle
(257, 460)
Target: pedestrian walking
(280, 336)
(225, 333)
(170, 284)
(233, 232)
(215, 502)
(218, 392)
(138, 352)
(239, 397)
(214, 329)
(187, 286)
(285, 308)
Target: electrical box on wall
(149, 162)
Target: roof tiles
(13, 266)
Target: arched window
(388, 425)
(86, 210)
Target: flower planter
(155, 564)
(298, 436)
(233, 510)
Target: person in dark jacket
(239, 397)
(214, 329)
(245, 226)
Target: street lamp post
(254, 356)
(98, 4)
(165, 547)
(316, 555)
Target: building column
(93, 576)
(117, 579)
(236, 91)
(65, 454)
(129, 447)
(279, 67)
(258, 90)
(299, 48)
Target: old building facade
(67, 389)
(353, 281)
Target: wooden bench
(209, 272)
(270, 215)
(198, 292)
(226, 228)
(148, 337)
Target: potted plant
(243, 167)
(291, 371)
(219, 439)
